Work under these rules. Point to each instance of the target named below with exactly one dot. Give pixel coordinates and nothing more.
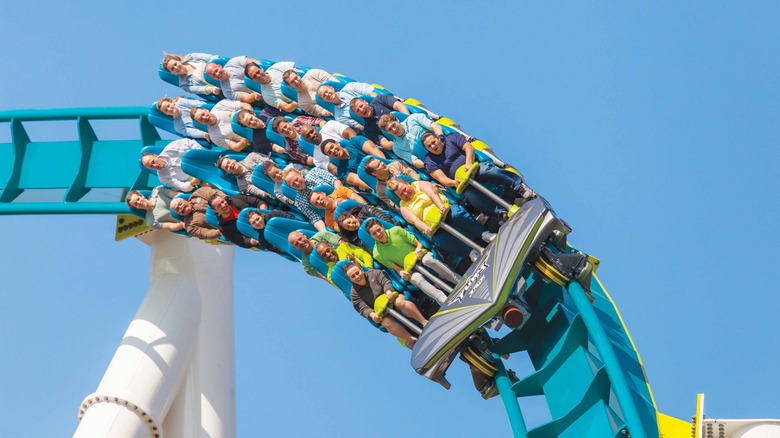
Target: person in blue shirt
(405, 133)
(447, 153)
(350, 153)
(371, 112)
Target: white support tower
(173, 374)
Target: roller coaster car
(532, 242)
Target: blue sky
(652, 128)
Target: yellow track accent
(697, 420)
(129, 225)
(628, 335)
(550, 272)
(477, 362)
(671, 427)
(415, 102)
(444, 312)
(482, 360)
(447, 122)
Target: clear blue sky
(652, 128)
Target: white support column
(178, 354)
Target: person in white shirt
(219, 122)
(271, 84)
(306, 87)
(231, 79)
(168, 164)
(340, 100)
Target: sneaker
(474, 255)
(481, 218)
(488, 237)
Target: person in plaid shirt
(303, 182)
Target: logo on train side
(476, 279)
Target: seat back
(202, 165)
(318, 263)
(262, 181)
(363, 235)
(361, 171)
(239, 130)
(277, 230)
(211, 217)
(161, 120)
(243, 224)
(273, 136)
(221, 61)
(339, 278)
(289, 191)
(141, 213)
(155, 149)
(337, 85)
(186, 197)
(290, 92)
(343, 206)
(256, 86)
(392, 196)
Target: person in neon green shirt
(398, 250)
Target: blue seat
(325, 188)
(255, 86)
(201, 164)
(261, 181)
(341, 281)
(166, 123)
(141, 213)
(290, 92)
(186, 197)
(173, 79)
(342, 80)
(289, 191)
(369, 179)
(343, 206)
(368, 98)
(415, 109)
(239, 130)
(277, 230)
(337, 85)
(243, 224)
(273, 136)
(211, 217)
(318, 263)
(306, 146)
(366, 238)
(167, 76)
(221, 61)
(155, 149)
(161, 121)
